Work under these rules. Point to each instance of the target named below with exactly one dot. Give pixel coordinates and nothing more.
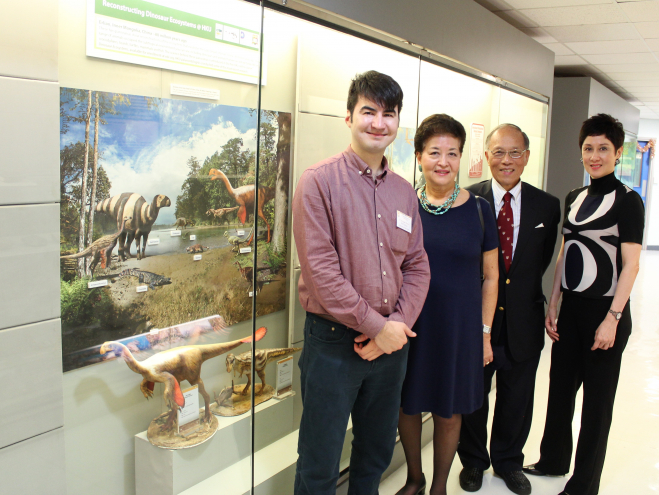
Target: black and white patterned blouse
(598, 218)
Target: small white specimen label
(240, 232)
(193, 237)
(97, 283)
(251, 293)
(197, 257)
(175, 233)
(245, 250)
(153, 242)
(142, 288)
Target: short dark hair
(438, 124)
(377, 87)
(603, 124)
(527, 143)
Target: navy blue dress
(445, 363)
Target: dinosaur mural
(245, 197)
(221, 214)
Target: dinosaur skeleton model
(173, 366)
(144, 277)
(244, 197)
(100, 249)
(242, 363)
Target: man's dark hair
(377, 87)
(438, 124)
(510, 126)
(603, 124)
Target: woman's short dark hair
(603, 124)
(438, 124)
(377, 87)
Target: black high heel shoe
(420, 491)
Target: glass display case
(185, 127)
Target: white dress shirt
(515, 203)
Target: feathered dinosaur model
(242, 363)
(173, 366)
(244, 197)
(100, 249)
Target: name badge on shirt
(403, 221)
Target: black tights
(445, 443)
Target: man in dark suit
(527, 220)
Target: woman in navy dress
(446, 358)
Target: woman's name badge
(403, 221)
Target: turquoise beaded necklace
(443, 208)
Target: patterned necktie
(506, 224)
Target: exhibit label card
(153, 242)
(284, 375)
(175, 233)
(218, 39)
(193, 237)
(188, 415)
(476, 150)
(97, 283)
(245, 250)
(197, 257)
(194, 91)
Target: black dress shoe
(419, 491)
(531, 469)
(471, 479)
(516, 482)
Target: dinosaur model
(244, 197)
(173, 366)
(100, 249)
(225, 395)
(197, 248)
(182, 222)
(242, 363)
(236, 241)
(143, 215)
(221, 214)
(144, 277)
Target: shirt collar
(499, 192)
(361, 166)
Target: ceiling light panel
(608, 32)
(619, 58)
(617, 46)
(576, 16)
(641, 11)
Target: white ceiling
(614, 41)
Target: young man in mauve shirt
(364, 279)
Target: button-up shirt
(358, 266)
(515, 203)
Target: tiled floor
(632, 462)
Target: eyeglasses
(515, 154)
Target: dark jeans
(336, 383)
(574, 364)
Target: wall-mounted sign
(476, 142)
(218, 39)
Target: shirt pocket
(400, 241)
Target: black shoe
(516, 482)
(532, 469)
(471, 479)
(420, 491)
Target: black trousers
(511, 423)
(574, 364)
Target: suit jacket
(520, 290)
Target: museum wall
(32, 436)
(649, 129)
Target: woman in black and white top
(595, 273)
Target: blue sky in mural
(146, 146)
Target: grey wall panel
(603, 100)
(29, 130)
(35, 466)
(460, 29)
(30, 381)
(29, 39)
(29, 264)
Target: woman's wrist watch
(616, 314)
(486, 329)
